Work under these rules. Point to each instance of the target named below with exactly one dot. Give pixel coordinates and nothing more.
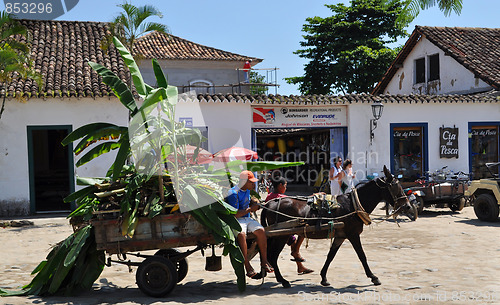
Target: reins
(358, 208)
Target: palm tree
(15, 62)
(131, 24)
(413, 7)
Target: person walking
(346, 182)
(335, 176)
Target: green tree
(15, 62)
(131, 24)
(348, 51)
(411, 8)
(256, 78)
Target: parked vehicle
(442, 188)
(485, 194)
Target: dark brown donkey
(370, 194)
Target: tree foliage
(131, 24)
(348, 51)
(15, 59)
(412, 8)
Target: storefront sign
(448, 142)
(298, 117)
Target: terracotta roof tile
(490, 97)
(161, 46)
(474, 48)
(61, 51)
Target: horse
(386, 189)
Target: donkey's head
(394, 193)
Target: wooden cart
(158, 274)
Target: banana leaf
(161, 81)
(254, 166)
(120, 89)
(102, 134)
(84, 131)
(136, 75)
(97, 151)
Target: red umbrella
(203, 157)
(235, 153)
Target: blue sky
(269, 29)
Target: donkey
(386, 189)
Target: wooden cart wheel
(156, 276)
(180, 265)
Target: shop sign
(298, 117)
(448, 142)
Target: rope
(307, 218)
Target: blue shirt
(239, 199)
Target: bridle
(394, 189)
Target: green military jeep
(485, 194)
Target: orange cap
(247, 175)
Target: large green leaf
(106, 133)
(89, 181)
(80, 193)
(139, 84)
(97, 151)
(120, 89)
(161, 81)
(153, 98)
(121, 157)
(255, 166)
(84, 131)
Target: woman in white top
(335, 173)
(347, 176)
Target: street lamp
(377, 109)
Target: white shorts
(248, 224)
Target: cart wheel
(156, 276)
(180, 265)
(457, 204)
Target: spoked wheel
(457, 204)
(181, 266)
(156, 276)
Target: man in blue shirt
(239, 198)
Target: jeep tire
(486, 207)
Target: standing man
(239, 198)
(246, 69)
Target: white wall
(182, 73)
(435, 115)
(14, 176)
(229, 123)
(454, 78)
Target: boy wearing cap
(239, 198)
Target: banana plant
(154, 135)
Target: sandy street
(442, 258)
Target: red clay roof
(160, 46)
(474, 48)
(61, 51)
